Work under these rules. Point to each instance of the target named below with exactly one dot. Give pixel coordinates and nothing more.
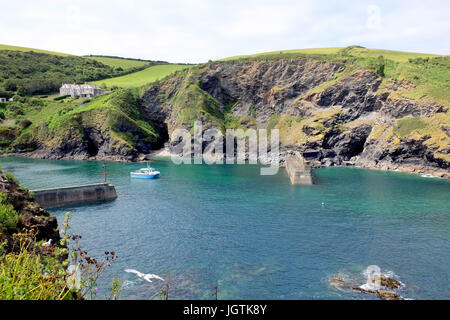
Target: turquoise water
(258, 237)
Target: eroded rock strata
(333, 113)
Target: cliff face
(341, 110)
(346, 115)
(20, 212)
(110, 127)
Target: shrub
(8, 216)
(62, 97)
(12, 178)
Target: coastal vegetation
(26, 71)
(315, 97)
(24, 49)
(31, 73)
(124, 64)
(32, 268)
(34, 122)
(138, 79)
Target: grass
(30, 276)
(23, 49)
(143, 77)
(406, 126)
(286, 52)
(52, 122)
(428, 129)
(125, 64)
(397, 56)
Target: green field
(397, 56)
(143, 77)
(125, 64)
(281, 52)
(23, 49)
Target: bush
(8, 216)
(62, 97)
(27, 275)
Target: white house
(2, 99)
(80, 90)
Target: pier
(57, 197)
(299, 170)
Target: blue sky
(199, 30)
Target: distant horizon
(50, 50)
(194, 31)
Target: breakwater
(57, 197)
(299, 170)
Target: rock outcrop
(385, 283)
(346, 117)
(338, 113)
(32, 218)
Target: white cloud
(260, 22)
(199, 30)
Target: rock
(31, 216)
(346, 118)
(386, 282)
(389, 282)
(388, 295)
(337, 280)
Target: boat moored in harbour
(145, 173)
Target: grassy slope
(397, 56)
(430, 75)
(52, 121)
(125, 64)
(143, 77)
(286, 52)
(23, 49)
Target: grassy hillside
(143, 77)
(29, 73)
(23, 49)
(125, 64)
(286, 52)
(30, 122)
(397, 56)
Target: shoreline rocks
(382, 292)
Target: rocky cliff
(339, 109)
(20, 213)
(337, 112)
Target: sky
(195, 31)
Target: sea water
(253, 236)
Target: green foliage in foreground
(34, 272)
(8, 216)
(27, 275)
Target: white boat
(145, 173)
